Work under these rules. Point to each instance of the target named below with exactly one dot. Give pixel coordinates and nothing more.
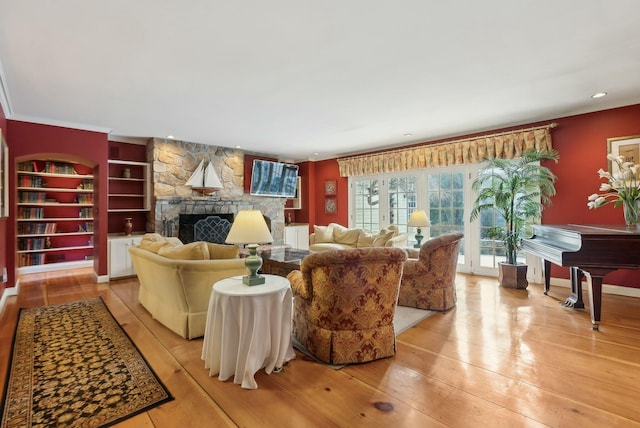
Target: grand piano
(592, 251)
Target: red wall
(4, 221)
(28, 140)
(581, 142)
(328, 170)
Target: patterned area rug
(73, 365)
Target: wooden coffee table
(281, 261)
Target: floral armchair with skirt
(344, 303)
(428, 281)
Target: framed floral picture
(330, 187)
(627, 147)
(330, 205)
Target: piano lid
(605, 246)
(594, 229)
(589, 229)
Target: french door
(445, 194)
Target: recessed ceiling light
(599, 95)
(238, 147)
(316, 153)
(171, 137)
(408, 134)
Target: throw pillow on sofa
(323, 233)
(153, 246)
(393, 229)
(383, 238)
(346, 236)
(222, 251)
(368, 239)
(191, 251)
(154, 241)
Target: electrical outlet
(5, 277)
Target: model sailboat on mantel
(204, 179)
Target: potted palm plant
(516, 190)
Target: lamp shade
(419, 219)
(249, 227)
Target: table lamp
(250, 228)
(419, 219)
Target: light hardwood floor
(502, 357)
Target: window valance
(506, 145)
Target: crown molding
(60, 123)
(4, 94)
(130, 140)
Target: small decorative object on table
(622, 188)
(249, 227)
(128, 226)
(418, 219)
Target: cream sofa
(338, 237)
(176, 279)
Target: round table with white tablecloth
(248, 328)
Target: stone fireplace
(169, 213)
(174, 161)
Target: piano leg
(546, 271)
(575, 298)
(594, 280)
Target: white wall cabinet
(297, 236)
(119, 259)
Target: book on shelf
(86, 213)
(53, 167)
(85, 198)
(27, 244)
(37, 228)
(30, 212)
(31, 197)
(28, 166)
(29, 181)
(31, 259)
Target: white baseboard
(606, 288)
(8, 292)
(101, 278)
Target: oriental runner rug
(73, 365)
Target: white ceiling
(294, 77)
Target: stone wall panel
(174, 161)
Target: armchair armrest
(413, 253)
(299, 286)
(418, 261)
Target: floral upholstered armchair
(428, 281)
(344, 303)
